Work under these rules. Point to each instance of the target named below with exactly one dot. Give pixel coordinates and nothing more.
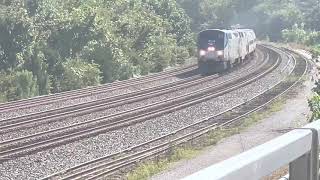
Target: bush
(315, 51)
(79, 74)
(181, 54)
(313, 38)
(17, 85)
(7, 87)
(26, 84)
(296, 34)
(314, 104)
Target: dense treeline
(267, 17)
(276, 20)
(49, 46)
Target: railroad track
(96, 105)
(59, 114)
(75, 94)
(111, 164)
(38, 142)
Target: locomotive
(219, 50)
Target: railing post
(300, 168)
(307, 166)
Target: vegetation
(314, 103)
(59, 45)
(147, 170)
(267, 17)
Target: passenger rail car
(219, 50)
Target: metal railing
(298, 149)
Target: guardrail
(298, 149)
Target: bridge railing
(298, 149)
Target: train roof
(228, 30)
(223, 30)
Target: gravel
(109, 111)
(47, 162)
(108, 93)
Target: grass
(148, 169)
(217, 135)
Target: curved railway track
(111, 164)
(75, 94)
(38, 142)
(96, 105)
(58, 114)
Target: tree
(275, 16)
(46, 37)
(26, 84)
(313, 18)
(209, 14)
(7, 87)
(79, 74)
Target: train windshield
(211, 38)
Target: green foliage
(148, 169)
(316, 51)
(314, 104)
(79, 74)
(130, 38)
(274, 16)
(296, 34)
(300, 35)
(17, 85)
(268, 17)
(181, 55)
(312, 13)
(145, 171)
(159, 52)
(7, 87)
(118, 38)
(313, 38)
(209, 14)
(26, 84)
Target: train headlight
(202, 52)
(211, 49)
(220, 53)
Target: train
(220, 49)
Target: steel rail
(115, 166)
(99, 104)
(91, 107)
(69, 95)
(107, 168)
(15, 150)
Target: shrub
(79, 74)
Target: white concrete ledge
(262, 160)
